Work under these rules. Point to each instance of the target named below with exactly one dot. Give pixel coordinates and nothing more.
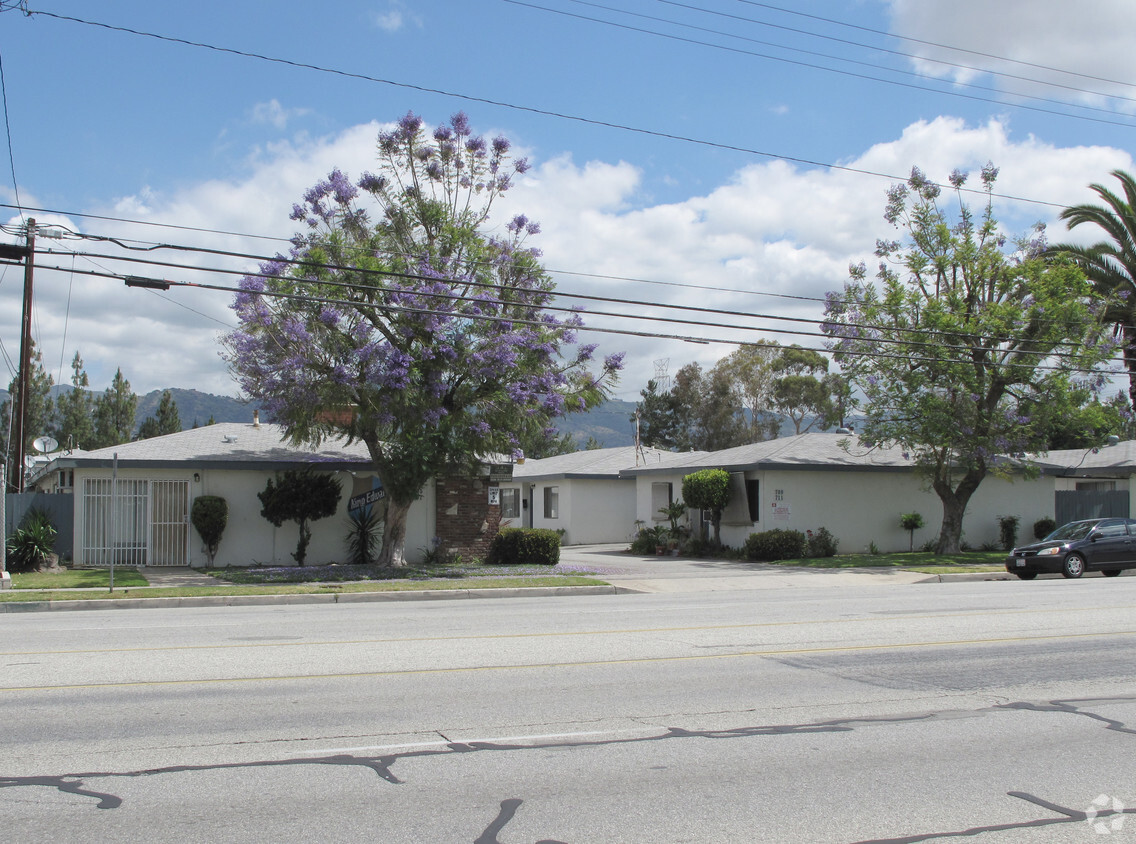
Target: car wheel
(1111, 572)
(1074, 566)
(1026, 575)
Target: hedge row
(524, 546)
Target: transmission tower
(662, 376)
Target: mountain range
(609, 423)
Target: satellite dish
(45, 445)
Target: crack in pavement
(76, 783)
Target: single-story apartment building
(584, 494)
(159, 478)
(829, 480)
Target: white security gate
(151, 527)
(169, 523)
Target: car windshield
(1073, 530)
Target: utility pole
(20, 417)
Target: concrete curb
(968, 577)
(312, 598)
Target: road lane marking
(573, 664)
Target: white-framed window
(661, 493)
(510, 503)
(552, 502)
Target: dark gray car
(1104, 545)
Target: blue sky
(121, 125)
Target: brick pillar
(466, 523)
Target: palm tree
(1111, 264)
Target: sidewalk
(627, 574)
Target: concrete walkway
(677, 574)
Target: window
(510, 503)
(754, 500)
(660, 500)
(1096, 486)
(1112, 529)
(552, 502)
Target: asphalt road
(1000, 711)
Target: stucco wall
(860, 508)
(249, 538)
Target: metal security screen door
(151, 528)
(169, 523)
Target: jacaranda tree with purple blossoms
(398, 320)
(958, 336)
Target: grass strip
(300, 588)
(77, 579)
(918, 560)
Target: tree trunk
(302, 546)
(393, 553)
(954, 508)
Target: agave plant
(31, 543)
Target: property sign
(500, 471)
(364, 493)
(494, 496)
(781, 511)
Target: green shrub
(1043, 527)
(31, 543)
(209, 515)
(300, 496)
(1008, 531)
(708, 489)
(821, 543)
(524, 546)
(911, 522)
(648, 540)
(778, 544)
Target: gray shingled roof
(224, 445)
(593, 463)
(802, 451)
(1107, 460)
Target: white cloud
(771, 241)
(1080, 45)
(274, 114)
(395, 17)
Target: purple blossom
(460, 124)
(341, 187)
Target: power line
(848, 73)
(900, 53)
(515, 107)
(462, 298)
(8, 133)
(935, 44)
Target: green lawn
(77, 579)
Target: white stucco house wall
(159, 478)
(811, 480)
(582, 493)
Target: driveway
(679, 574)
